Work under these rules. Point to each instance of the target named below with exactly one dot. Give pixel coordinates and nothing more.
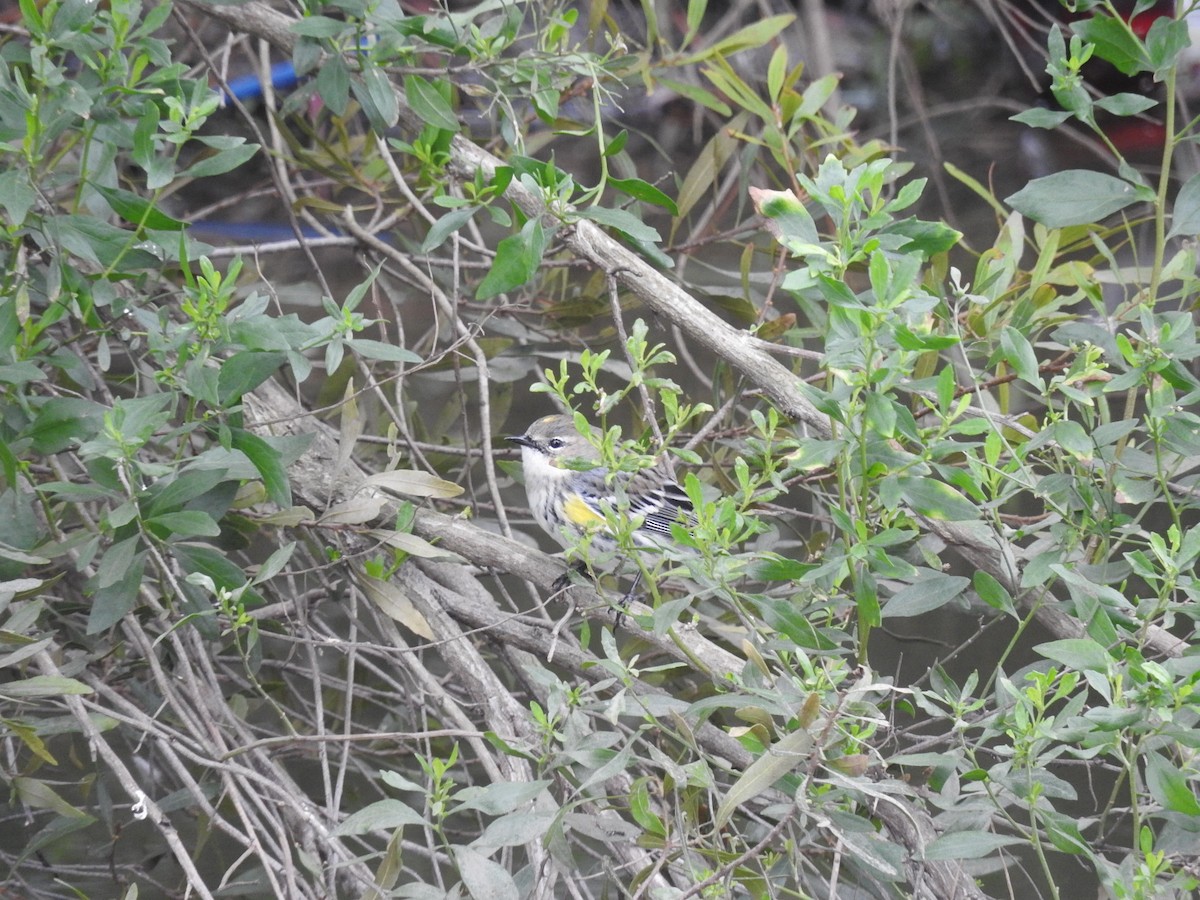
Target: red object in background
(1140, 24)
(1130, 135)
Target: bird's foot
(625, 601)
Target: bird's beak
(520, 439)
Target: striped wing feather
(660, 507)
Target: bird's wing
(662, 507)
(658, 502)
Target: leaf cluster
(271, 611)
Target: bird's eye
(555, 443)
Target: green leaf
(1072, 437)
(1166, 41)
(641, 808)
(17, 196)
(42, 686)
(623, 221)
(1040, 117)
(395, 780)
(359, 291)
(38, 794)
(928, 593)
(515, 829)
(776, 70)
(935, 499)
(245, 371)
(100, 243)
(499, 797)
(968, 845)
(61, 422)
(698, 95)
(377, 98)
(790, 751)
(701, 178)
(333, 84)
(185, 523)
(517, 259)
(1125, 104)
(117, 559)
(269, 462)
(787, 219)
(866, 601)
(215, 564)
(392, 600)
(429, 104)
(1114, 42)
(1185, 217)
(617, 144)
(779, 568)
(1073, 197)
(483, 878)
(369, 349)
(786, 618)
(1082, 654)
(112, 602)
(382, 815)
(274, 564)
(166, 496)
(1064, 833)
(137, 210)
(1018, 353)
(647, 193)
(1169, 786)
(910, 340)
(231, 153)
(754, 35)
(994, 594)
(695, 18)
(21, 373)
(446, 226)
(926, 238)
(318, 27)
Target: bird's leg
(623, 604)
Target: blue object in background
(248, 87)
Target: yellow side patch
(579, 513)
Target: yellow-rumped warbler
(571, 503)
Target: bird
(574, 504)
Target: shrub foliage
(273, 618)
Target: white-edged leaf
(353, 512)
(413, 483)
(411, 544)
